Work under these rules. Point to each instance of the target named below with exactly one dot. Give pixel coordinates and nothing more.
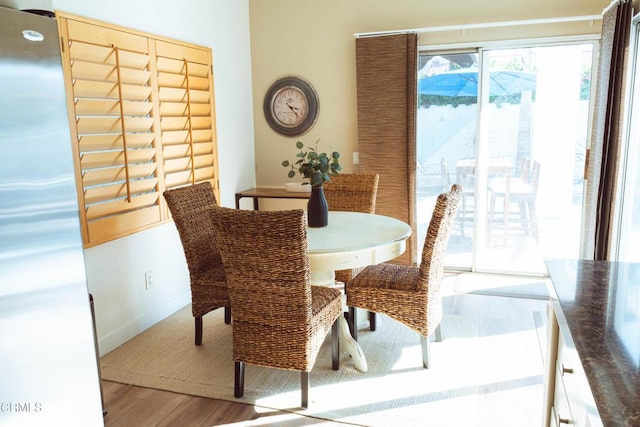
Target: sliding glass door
(447, 129)
(510, 126)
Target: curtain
(386, 82)
(606, 136)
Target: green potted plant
(317, 167)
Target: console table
(268, 193)
(593, 374)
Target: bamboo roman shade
(142, 121)
(386, 70)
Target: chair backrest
(352, 192)
(525, 169)
(265, 256)
(435, 243)
(535, 178)
(191, 209)
(444, 171)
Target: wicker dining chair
(279, 319)
(351, 193)
(191, 209)
(408, 294)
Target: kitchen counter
(597, 307)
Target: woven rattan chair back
(352, 192)
(408, 294)
(434, 250)
(265, 253)
(191, 209)
(437, 239)
(279, 319)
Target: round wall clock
(291, 106)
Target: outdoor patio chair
(467, 181)
(522, 191)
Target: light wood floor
(128, 405)
(136, 406)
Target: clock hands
(293, 109)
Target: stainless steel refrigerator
(49, 374)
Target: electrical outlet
(148, 280)
(356, 158)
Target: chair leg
(372, 321)
(492, 208)
(304, 387)
(424, 343)
(353, 323)
(438, 333)
(335, 345)
(462, 214)
(534, 220)
(198, 320)
(238, 385)
(227, 314)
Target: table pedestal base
(347, 343)
(351, 347)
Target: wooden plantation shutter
(185, 88)
(129, 94)
(110, 81)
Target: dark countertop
(600, 302)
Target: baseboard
(115, 339)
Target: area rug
(505, 286)
(396, 391)
(468, 371)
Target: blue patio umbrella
(464, 82)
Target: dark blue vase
(317, 208)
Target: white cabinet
(568, 399)
(592, 344)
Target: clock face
(291, 106)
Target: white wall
(315, 40)
(123, 307)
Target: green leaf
(313, 164)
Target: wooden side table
(268, 193)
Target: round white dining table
(351, 240)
